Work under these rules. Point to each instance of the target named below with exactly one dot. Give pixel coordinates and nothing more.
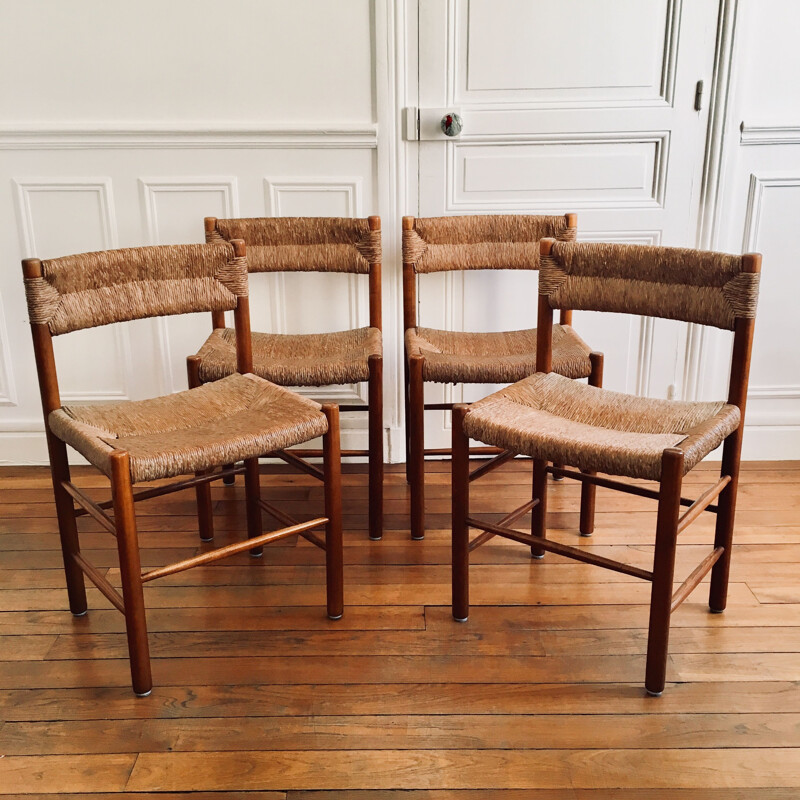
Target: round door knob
(452, 124)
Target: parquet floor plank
(258, 696)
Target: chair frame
(669, 523)
(415, 408)
(123, 523)
(373, 408)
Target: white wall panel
(174, 209)
(61, 216)
(541, 175)
(134, 122)
(317, 302)
(566, 52)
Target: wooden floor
(258, 695)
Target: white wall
(125, 123)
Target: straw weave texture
(303, 244)
(675, 283)
(505, 357)
(239, 417)
(507, 241)
(551, 417)
(83, 291)
(317, 359)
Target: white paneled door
(576, 106)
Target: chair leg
(130, 572)
(723, 536)
(588, 491)
(669, 506)
(539, 512)
(460, 512)
(205, 513)
(375, 414)
(417, 460)
(67, 527)
(252, 488)
(229, 480)
(407, 400)
(332, 467)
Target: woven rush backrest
(91, 289)
(503, 241)
(674, 283)
(302, 244)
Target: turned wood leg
(131, 572)
(726, 510)
(588, 491)
(539, 511)
(669, 505)
(334, 560)
(460, 512)
(417, 460)
(375, 414)
(252, 488)
(67, 527)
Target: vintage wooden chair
(439, 244)
(312, 244)
(553, 419)
(234, 419)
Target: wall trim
(769, 134)
(29, 136)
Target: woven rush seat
(316, 359)
(502, 357)
(239, 417)
(551, 417)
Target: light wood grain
(259, 696)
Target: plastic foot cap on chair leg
(540, 556)
(338, 616)
(210, 539)
(142, 694)
(460, 619)
(375, 538)
(653, 694)
(716, 610)
(256, 555)
(80, 613)
(586, 534)
(417, 538)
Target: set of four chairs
(238, 406)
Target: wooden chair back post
(743, 344)
(544, 324)
(43, 350)
(241, 316)
(409, 285)
(217, 317)
(375, 310)
(565, 315)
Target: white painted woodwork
(572, 106)
(126, 124)
(758, 209)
